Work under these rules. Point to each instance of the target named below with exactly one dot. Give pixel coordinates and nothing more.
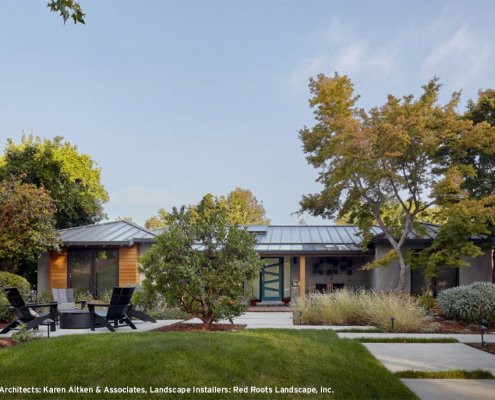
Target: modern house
(298, 259)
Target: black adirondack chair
(116, 311)
(25, 312)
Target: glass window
(106, 270)
(80, 262)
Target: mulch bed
(488, 347)
(6, 342)
(186, 327)
(450, 326)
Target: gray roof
(301, 239)
(272, 239)
(119, 233)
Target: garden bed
(188, 327)
(487, 347)
(6, 342)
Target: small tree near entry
(199, 263)
(392, 154)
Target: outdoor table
(75, 319)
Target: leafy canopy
(200, 263)
(404, 152)
(241, 206)
(71, 178)
(26, 223)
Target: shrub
(408, 313)
(469, 303)
(24, 335)
(11, 280)
(363, 307)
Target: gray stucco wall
(387, 278)
(480, 270)
(43, 284)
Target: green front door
(271, 279)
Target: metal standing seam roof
(272, 239)
(302, 239)
(122, 233)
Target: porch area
(287, 277)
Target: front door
(271, 279)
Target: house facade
(297, 260)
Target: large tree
(26, 224)
(387, 155)
(474, 214)
(200, 263)
(241, 205)
(71, 178)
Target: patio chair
(116, 310)
(65, 300)
(139, 314)
(26, 314)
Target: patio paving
(459, 389)
(431, 356)
(140, 325)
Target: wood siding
(58, 269)
(128, 265)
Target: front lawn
(260, 358)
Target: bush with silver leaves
(469, 303)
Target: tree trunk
(402, 271)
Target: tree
(475, 214)
(481, 158)
(157, 221)
(67, 9)
(387, 155)
(71, 178)
(241, 206)
(26, 223)
(199, 263)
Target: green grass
(261, 358)
(355, 330)
(452, 374)
(406, 340)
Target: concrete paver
(458, 389)
(431, 356)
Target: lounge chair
(65, 300)
(26, 314)
(116, 312)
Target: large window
(93, 270)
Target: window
(93, 270)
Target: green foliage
(200, 264)
(71, 178)
(389, 155)
(154, 304)
(450, 374)
(26, 223)
(24, 335)
(481, 156)
(469, 303)
(10, 280)
(361, 307)
(242, 208)
(427, 301)
(464, 220)
(67, 9)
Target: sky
(176, 99)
